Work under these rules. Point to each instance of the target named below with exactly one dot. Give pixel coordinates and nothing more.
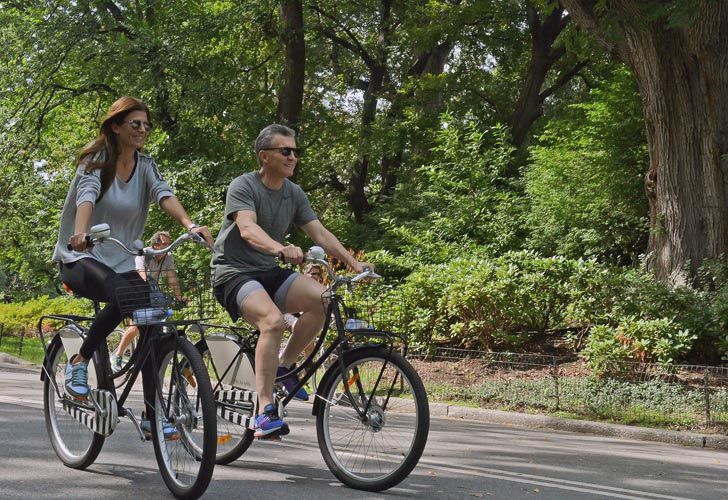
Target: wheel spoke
(378, 450)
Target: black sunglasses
(137, 124)
(286, 151)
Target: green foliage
(459, 203)
(23, 316)
(500, 303)
(660, 340)
(585, 179)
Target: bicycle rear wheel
(76, 445)
(379, 450)
(233, 438)
(187, 462)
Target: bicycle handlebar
(320, 259)
(100, 234)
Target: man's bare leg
(260, 311)
(304, 295)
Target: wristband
(192, 226)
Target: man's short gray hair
(265, 137)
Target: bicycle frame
(340, 345)
(136, 363)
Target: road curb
(716, 441)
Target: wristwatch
(192, 226)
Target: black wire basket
(373, 306)
(169, 295)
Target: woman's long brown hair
(107, 144)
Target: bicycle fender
(50, 352)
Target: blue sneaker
(268, 424)
(77, 380)
(170, 431)
(289, 383)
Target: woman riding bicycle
(114, 183)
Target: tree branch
(353, 45)
(563, 80)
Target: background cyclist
(157, 268)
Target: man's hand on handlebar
(291, 254)
(360, 267)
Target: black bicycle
(177, 389)
(371, 408)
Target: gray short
(279, 297)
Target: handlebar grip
(89, 242)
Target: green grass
(30, 349)
(650, 404)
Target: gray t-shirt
(124, 207)
(275, 211)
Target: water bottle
(356, 324)
(151, 315)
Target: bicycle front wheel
(186, 458)
(378, 449)
(76, 445)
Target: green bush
(636, 317)
(505, 303)
(23, 316)
(644, 340)
(489, 303)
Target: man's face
(273, 159)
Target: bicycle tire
(232, 439)
(76, 445)
(393, 437)
(186, 463)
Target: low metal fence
(676, 396)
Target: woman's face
(133, 131)
(163, 242)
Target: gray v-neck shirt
(275, 210)
(124, 207)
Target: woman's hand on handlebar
(203, 231)
(78, 242)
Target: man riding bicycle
(259, 210)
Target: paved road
(462, 460)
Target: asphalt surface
(464, 458)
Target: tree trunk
(290, 98)
(683, 78)
(682, 74)
(357, 197)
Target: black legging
(96, 281)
